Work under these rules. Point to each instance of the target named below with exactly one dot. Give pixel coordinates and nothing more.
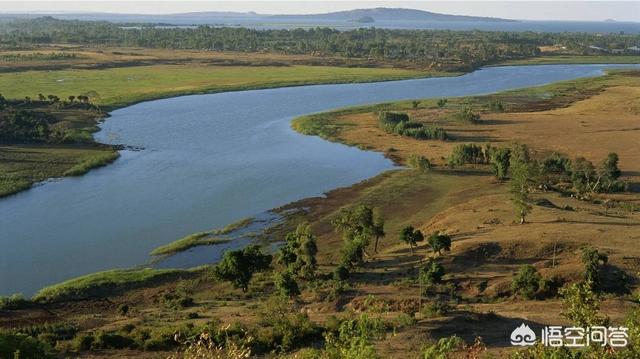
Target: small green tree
(609, 168)
(431, 273)
(411, 236)
(415, 104)
(594, 262)
(582, 305)
(357, 227)
(499, 160)
(285, 282)
(526, 282)
(378, 228)
(239, 266)
(439, 242)
(419, 163)
(442, 102)
(583, 174)
(522, 172)
(299, 253)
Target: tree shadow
(495, 330)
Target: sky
(523, 10)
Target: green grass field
(22, 165)
(121, 86)
(107, 282)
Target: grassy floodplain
(123, 86)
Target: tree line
(436, 48)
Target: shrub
(411, 236)
(238, 266)
(392, 118)
(286, 284)
(499, 160)
(467, 154)
(27, 346)
(439, 242)
(467, 115)
(14, 301)
(442, 348)
(526, 282)
(83, 342)
(340, 273)
(419, 163)
(431, 273)
(400, 124)
(442, 102)
(104, 340)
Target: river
(207, 160)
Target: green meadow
(118, 87)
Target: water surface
(208, 160)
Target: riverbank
(466, 202)
(21, 165)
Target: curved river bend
(208, 160)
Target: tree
(581, 305)
(582, 174)
(609, 168)
(522, 172)
(378, 228)
(299, 253)
(239, 266)
(357, 228)
(411, 236)
(72, 98)
(442, 102)
(593, 262)
(499, 159)
(415, 104)
(286, 284)
(439, 242)
(526, 282)
(431, 273)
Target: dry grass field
(468, 203)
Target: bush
(103, 340)
(419, 163)
(286, 284)
(83, 342)
(341, 273)
(27, 346)
(466, 115)
(400, 124)
(526, 282)
(467, 154)
(14, 301)
(392, 118)
(431, 273)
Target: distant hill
(219, 17)
(389, 14)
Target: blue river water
(207, 160)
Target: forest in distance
(454, 50)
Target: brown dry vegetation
(108, 57)
(467, 203)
